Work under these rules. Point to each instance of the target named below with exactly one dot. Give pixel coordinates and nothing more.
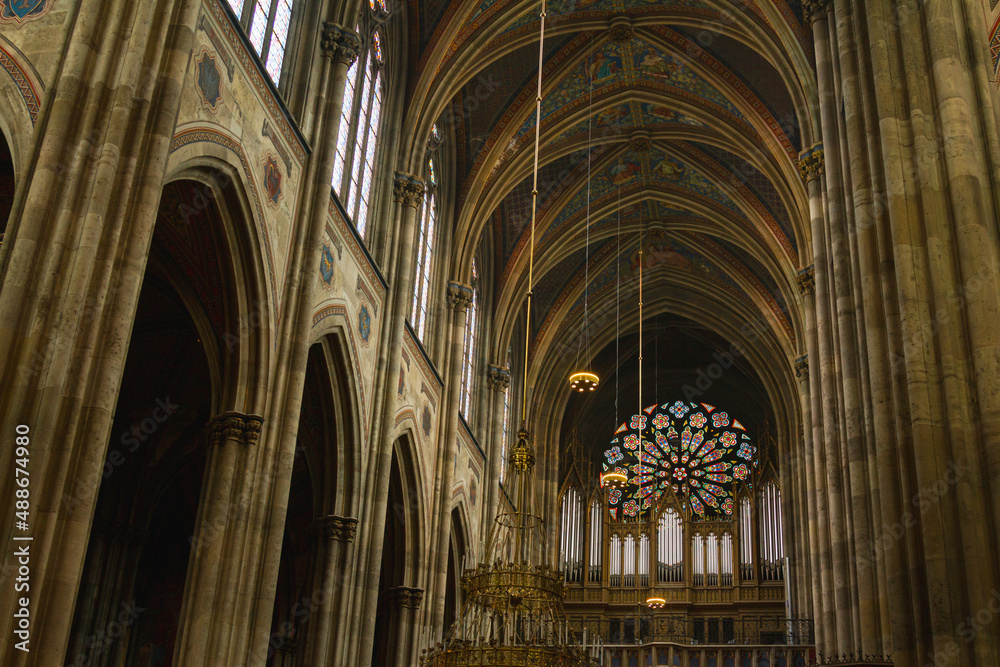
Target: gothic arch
(250, 315)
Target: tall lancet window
(505, 432)
(360, 116)
(425, 254)
(266, 23)
(772, 549)
(468, 370)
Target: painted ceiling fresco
(675, 113)
(625, 64)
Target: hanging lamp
(653, 601)
(513, 611)
(613, 479)
(586, 380)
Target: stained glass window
(506, 426)
(425, 250)
(267, 23)
(692, 449)
(357, 138)
(468, 372)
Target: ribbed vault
(682, 119)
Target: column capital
(497, 379)
(252, 425)
(802, 367)
(340, 528)
(811, 163)
(807, 280)
(814, 10)
(235, 426)
(340, 43)
(459, 296)
(404, 596)
(408, 189)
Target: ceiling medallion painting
(694, 450)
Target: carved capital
(459, 296)
(251, 429)
(339, 528)
(807, 280)
(811, 163)
(408, 190)
(339, 43)
(403, 596)
(802, 367)
(233, 424)
(214, 428)
(497, 379)
(814, 10)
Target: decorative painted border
(339, 309)
(359, 255)
(432, 378)
(213, 136)
(407, 414)
(476, 456)
(23, 83)
(248, 62)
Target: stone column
(209, 614)
(407, 602)
(807, 290)
(498, 381)
(259, 574)
(101, 633)
(459, 298)
(811, 166)
(334, 534)
(409, 191)
(72, 264)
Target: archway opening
(392, 570)
(135, 574)
(456, 565)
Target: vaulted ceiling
(682, 118)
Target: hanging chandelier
(586, 380)
(653, 601)
(513, 610)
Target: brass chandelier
(513, 610)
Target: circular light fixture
(583, 381)
(654, 602)
(614, 480)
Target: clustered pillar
(498, 381)
(459, 298)
(899, 386)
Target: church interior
(500, 332)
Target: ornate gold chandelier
(512, 615)
(513, 609)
